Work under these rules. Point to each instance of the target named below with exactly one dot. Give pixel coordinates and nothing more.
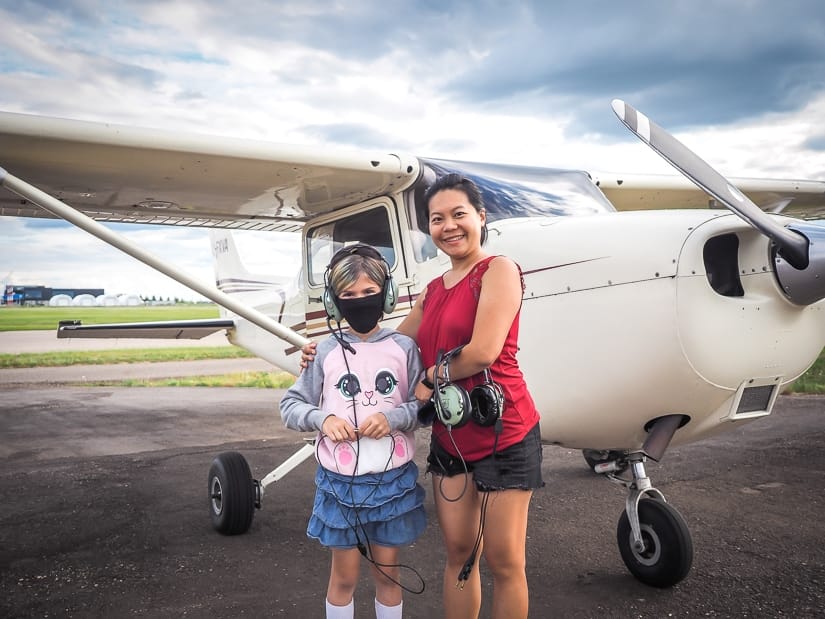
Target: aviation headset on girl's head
(389, 289)
(484, 404)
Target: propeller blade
(792, 246)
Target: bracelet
(426, 382)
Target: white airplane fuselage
(629, 328)
(621, 325)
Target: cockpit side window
(371, 226)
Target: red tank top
(448, 320)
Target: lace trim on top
(478, 272)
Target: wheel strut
(638, 487)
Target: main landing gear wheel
(668, 549)
(232, 494)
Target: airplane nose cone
(804, 286)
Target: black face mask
(362, 313)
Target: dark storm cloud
(684, 64)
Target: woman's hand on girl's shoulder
(307, 354)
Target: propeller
(799, 248)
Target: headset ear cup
(329, 305)
(487, 403)
(452, 404)
(390, 293)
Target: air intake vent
(755, 399)
(721, 256)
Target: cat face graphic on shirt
(374, 380)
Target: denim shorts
(517, 467)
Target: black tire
(231, 494)
(668, 552)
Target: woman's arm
(498, 305)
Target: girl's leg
(458, 507)
(343, 575)
(340, 612)
(505, 539)
(385, 574)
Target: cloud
(740, 81)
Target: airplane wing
(632, 192)
(134, 175)
(168, 329)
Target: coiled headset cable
(365, 546)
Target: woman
(502, 464)
(483, 476)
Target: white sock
(387, 612)
(341, 612)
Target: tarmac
(105, 514)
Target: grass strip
(47, 318)
(126, 355)
(812, 381)
(256, 380)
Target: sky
(741, 82)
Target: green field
(120, 355)
(45, 318)
(40, 318)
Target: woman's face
(455, 224)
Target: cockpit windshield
(516, 191)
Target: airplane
(679, 317)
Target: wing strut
(62, 210)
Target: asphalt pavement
(105, 515)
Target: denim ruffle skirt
(377, 508)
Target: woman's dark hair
(459, 183)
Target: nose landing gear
(653, 538)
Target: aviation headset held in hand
(484, 404)
(389, 289)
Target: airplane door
(374, 223)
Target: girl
(360, 396)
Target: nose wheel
(665, 554)
(653, 538)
